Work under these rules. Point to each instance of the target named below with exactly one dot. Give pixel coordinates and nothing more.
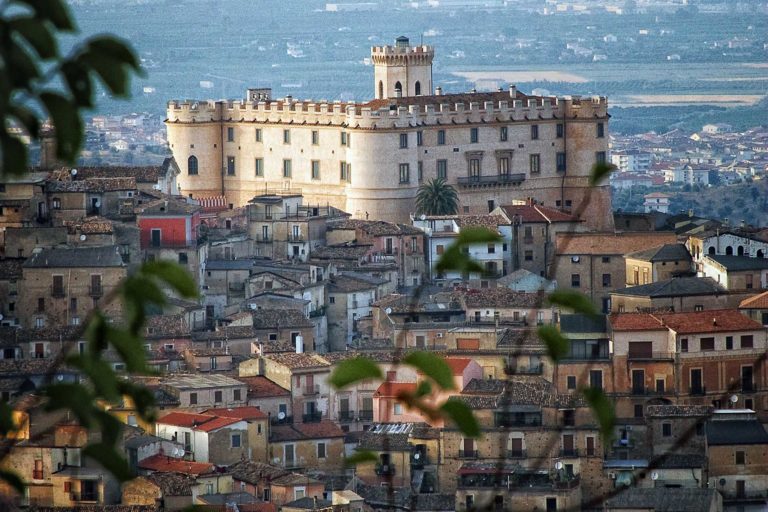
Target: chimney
(438, 91)
(512, 91)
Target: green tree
(437, 197)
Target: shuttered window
(640, 350)
(467, 344)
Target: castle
(370, 158)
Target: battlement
(432, 110)
(403, 50)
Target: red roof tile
(262, 387)
(611, 243)
(185, 419)
(166, 464)
(241, 413)
(458, 364)
(635, 322)
(719, 320)
(537, 213)
(217, 423)
(392, 389)
(759, 301)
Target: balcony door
(746, 379)
(288, 455)
(696, 381)
(568, 444)
(638, 382)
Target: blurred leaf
(423, 389)
(432, 366)
(111, 427)
(27, 118)
(12, 479)
(54, 10)
(110, 459)
(130, 348)
(600, 171)
(79, 83)
(468, 236)
(73, 397)
(578, 302)
(96, 333)
(100, 373)
(112, 73)
(116, 49)
(361, 457)
(14, 154)
(176, 276)
(7, 424)
(462, 416)
(37, 35)
(456, 260)
(69, 125)
(24, 66)
(557, 344)
(354, 370)
(603, 409)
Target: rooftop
(663, 499)
(735, 432)
(167, 464)
(299, 431)
(537, 213)
(293, 360)
(691, 322)
(199, 381)
(759, 301)
(610, 243)
(738, 263)
(501, 297)
(675, 287)
(262, 387)
(93, 257)
(666, 252)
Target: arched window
(740, 250)
(711, 251)
(381, 90)
(398, 89)
(760, 253)
(418, 88)
(192, 165)
(729, 250)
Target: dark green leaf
(354, 370)
(454, 259)
(7, 423)
(578, 302)
(69, 126)
(462, 417)
(14, 154)
(99, 373)
(468, 236)
(73, 397)
(37, 35)
(112, 73)
(115, 49)
(12, 479)
(602, 406)
(557, 344)
(130, 348)
(600, 171)
(143, 399)
(111, 428)
(423, 389)
(361, 457)
(27, 118)
(24, 66)
(432, 366)
(176, 276)
(54, 10)
(96, 333)
(79, 83)
(110, 459)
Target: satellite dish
(82, 238)
(276, 460)
(73, 172)
(281, 415)
(575, 259)
(423, 217)
(559, 465)
(734, 399)
(655, 475)
(416, 456)
(388, 311)
(1, 316)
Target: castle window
(474, 135)
(343, 138)
(504, 166)
(230, 134)
(343, 171)
(381, 90)
(561, 162)
(421, 171)
(398, 89)
(474, 168)
(503, 134)
(315, 137)
(258, 134)
(560, 130)
(440, 137)
(419, 138)
(535, 163)
(442, 169)
(259, 166)
(403, 140)
(287, 168)
(315, 169)
(600, 130)
(405, 173)
(600, 157)
(286, 136)
(230, 165)
(417, 88)
(56, 202)
(191, 166)
(534, 132)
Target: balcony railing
(346, 416)
(697, 390)
(517, 454)
(654, 356)
(315, 313)
(85, 496)
(647, 391)
(536, 369)
(385, 469)
(467, 454)
(96, 291)
(312, 389)
(58, 292)
(496, 180)
(366, 415)
(748, 387)
(313, 417)
(296, 237)
(571, 452)
(264, 239)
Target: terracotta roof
(341, 252)
(375, 227)
(291, 479)
(172, 484)
(10, 268)
(142, 174)
(95, 257)
(346, 284)
(300, 431)
(278, 318)
(538, 213)
(242, 413)
(168, 206)
(759, 301)
(92, 185)
(262, 387)
(458, 364)
(391, 389)
(166, 326)
(217, 423)
(254, 472)
(501, 297)
(710, 321)
(610, 243)
(635, 322)
(185, 419)
(481, 221)
(297, 361)
(667, 411)
(169, 464)
(89, 226)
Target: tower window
(560, 130)
(534, 132)
(417, 88)
(286, 136)
(381, 90)
(259, 167)
(258, 134)
(405, 173)
(441, 137)
(398, 89)
(230, 134)
(403, 140)
(315, 137)
(474, 135)
(503, 134)
(230, 166)
(287, 168)
(600, 130)
(192, 165)
(315, 169)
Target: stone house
(258, 428)
(318, 445)
(207, 437)
(23, 202)
(225, 282)
(61, 286)
(736, 272)
(205, 391)
(657, 264)
(177, 491)
(756, 307)
(11, 275)
(205, 360)
(725, 241)
(305, 375)
(350, 299)
(268, 396)
(149, 178)
(665, 498)
(678, 294)
(502, 305)
(70, 199)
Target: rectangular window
(442, 169)
(286, 136)
(600, 157)
(320, 450)
(235, 440)
(474, 168)
(421, 171)
(491, 248)
(528, 255)
(419, 138)
(474, 135)
(58, 286)
(684, 345)
(504, 166)
(600, 130)
(258, 135)
(183, 258)
(344, 138)
(403, 140)
(230, 134)
(217, 397)
(440, 249)
(315, 137)
(193, 399)
(747, 341)
(343, 171)
(666, 429)
(259, 167)
(405, 173)
(287, 168)
(503, 134)
(729, 343)
(315, 169)
(535, 163)
(571, 382)
(596, 379)
(230, 166)
(441, 137)
(560, 161)
(534, 132)
(741, 458)
(560, 130)
(237, 395)
(349, 172)
(606, 280)
(707, 344)
(575, 280)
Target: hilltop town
(297, 222)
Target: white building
(632, 161)
(656, 202)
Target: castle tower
(402, 70)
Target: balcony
(517, 454)
(697, 390)
(365, 415)
(385, 469)
(264, 239)
(297, 237)
(95, 291)
(646, 391)
(316, 313)
(491, 181)
(654, 356)
(312, 417)
(537, 369)
(312, 389)
(58, 292)
(570, 452)
(85, 496)
(748, 387)
(346, 416)
(467, 454)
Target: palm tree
(436, 197)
